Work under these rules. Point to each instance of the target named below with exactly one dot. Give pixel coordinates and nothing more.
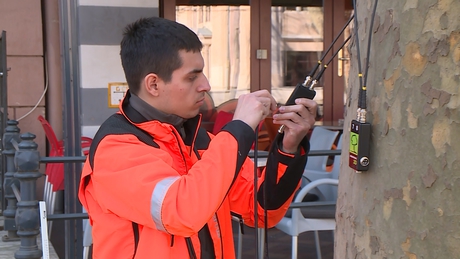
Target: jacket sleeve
(276, 185)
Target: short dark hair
(152, 45)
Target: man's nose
(204, 84)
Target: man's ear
(151, 82)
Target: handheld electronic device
(300, 91)
(358, 157)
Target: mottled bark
(408, 204)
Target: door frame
(260, 74)
(333, 103)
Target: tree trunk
(407, 205)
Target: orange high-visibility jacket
(149, 193)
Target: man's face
(185, 93)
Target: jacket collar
(145, 117)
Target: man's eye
(192, 78)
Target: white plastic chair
(87, 237)
(320, 139)
(316, 167)
(49, 197)
(239, 245)
(313, 216)
(297, 222)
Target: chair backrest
(272, 129)
(228, 106)
(336, 167)
(55, 171)
(222, 118)
(208, 110)
(320, 139)
(55, 145)
(85, 145)
(336, 164)
(326, 192)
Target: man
(155, 185)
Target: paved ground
(279, 244)
(7, 249)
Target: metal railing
(21, 217)
(10, 140)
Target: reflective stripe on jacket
(148, 192)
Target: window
(298, 65)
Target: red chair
(55, 171)
(208, 112)
(222, 118)
(85, 145)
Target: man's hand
(252, 108)
(298, 120)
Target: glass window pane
(225, 34)
(297, 45)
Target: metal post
(27, 160)
(10, 184)
(71, 127)
(3, 107)
(3, 73)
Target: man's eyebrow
(195, 71)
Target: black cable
(364, 95)
(360, 75)
(256, 207)
(320, 74)
(312, 73)
(256, 175)
(362, 85)
(265, 241)
(337, 52)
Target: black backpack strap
(117, 124)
